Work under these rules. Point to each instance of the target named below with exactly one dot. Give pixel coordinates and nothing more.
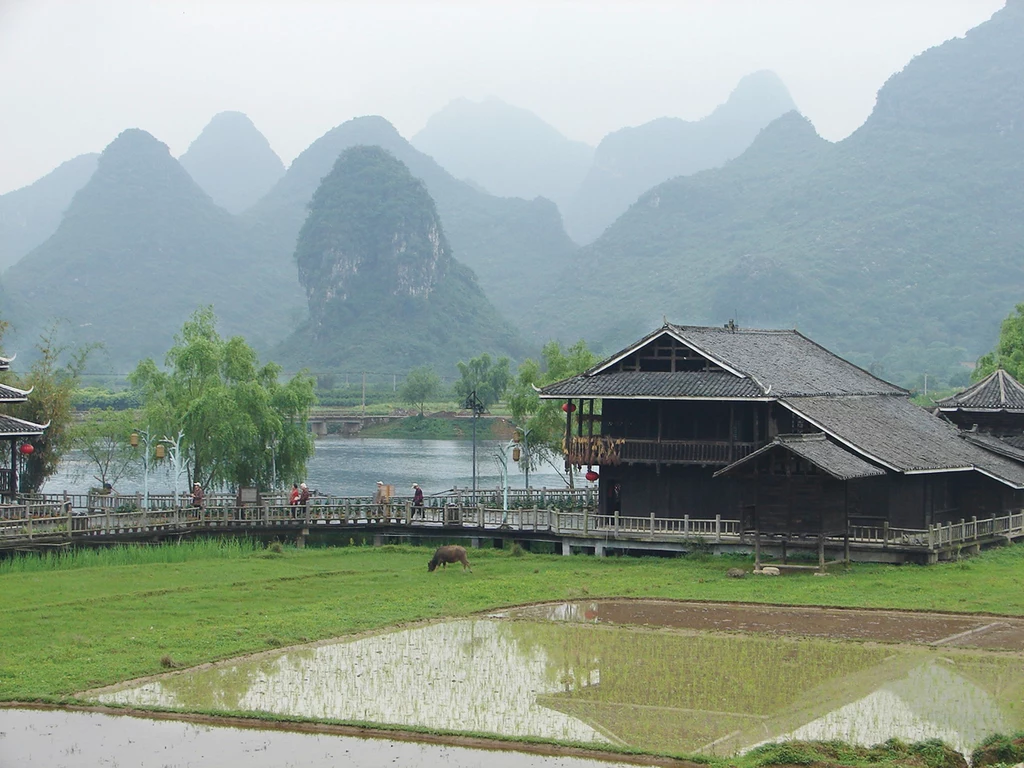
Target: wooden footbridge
(567, 518)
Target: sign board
(248, 497)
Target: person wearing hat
(197, 496)
(379, 497)
(417, 501)
(303, 494)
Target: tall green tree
(241, 425)
(487, 379)
(53, 379)
(1009, 351)
(102, 436)
(543, 420)
(420, 385)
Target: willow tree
(543, 420)
(241, 426)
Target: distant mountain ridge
(382, 284)
(232, 162)
(901, 247)
(630, 161)
(507, 150)
(139, 248)
(31, 214)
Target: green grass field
(95, 618)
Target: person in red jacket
(293, 499)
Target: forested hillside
(630, 161)
(507, 150)
(232, 162)
(31, 214)
(384, 292)
(140, 247)
(508, 242)
(901, 247)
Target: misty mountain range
(899, 246)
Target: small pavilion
(18, 433)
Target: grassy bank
(100, 617)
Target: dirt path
(939, 629)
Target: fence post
(616, 514)
(718, 528)
(686, 526)
(586, 520)
(652, 525)
(885, 535)
(974, 524)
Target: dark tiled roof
(997, 391)
(642, 384)
(12, 394)
(5, 363)
(819, 451)
(895, 432)
(784, 362)
(773, 363)
(891, 430)
(996, 444)
(12, 427)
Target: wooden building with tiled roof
(769, 427)
(14, 432)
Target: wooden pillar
(732, 432)
(14, 469)
(821, 552)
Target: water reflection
(352, 466)
(581, 681)
(472, 675)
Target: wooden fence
(61, 519)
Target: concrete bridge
(324, 422)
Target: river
(351, 466)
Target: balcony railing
(607, 451)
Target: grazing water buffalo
(449, 553)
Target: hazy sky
(73, 74)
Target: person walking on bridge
(417, 501)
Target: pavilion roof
(12, 427)
(13, 394)
(998, 391)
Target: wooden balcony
(608, 451)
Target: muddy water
(59, 739)
(594, 676)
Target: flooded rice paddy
(75, 739)
(661, 676)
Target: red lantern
(591, 476)
(27, 448)
(568, 407)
